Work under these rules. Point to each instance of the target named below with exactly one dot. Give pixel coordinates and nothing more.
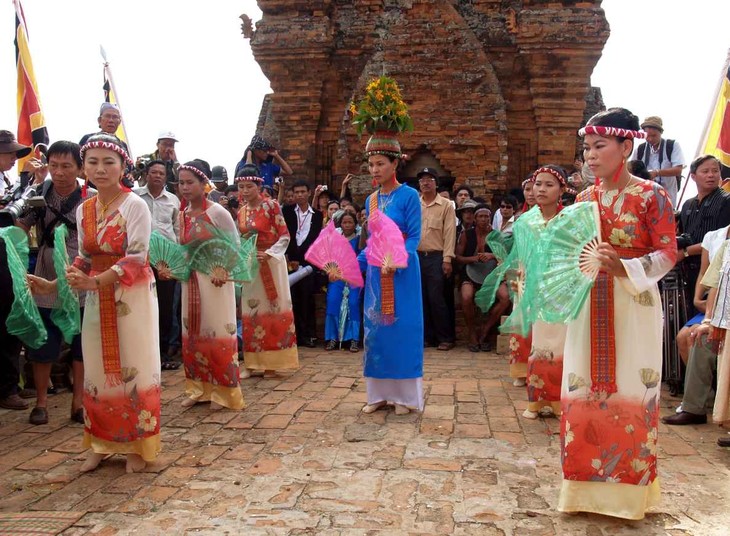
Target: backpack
(665, 146)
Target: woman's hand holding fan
(168, 258)
(386, 246)
(332, 253)
(569, 263)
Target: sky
(185, 67)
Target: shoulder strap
(641, 151)
(662, 144)
(670, 149)
(61, 216)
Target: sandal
(170, 365)
(354, 347)
(331, 345)
(473, 347)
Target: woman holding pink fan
(344, 319)
(393, 311)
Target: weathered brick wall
(495, 87)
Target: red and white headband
(249, 178)
(612, 131)
(203, 177)
(99, 144)
(552, 172)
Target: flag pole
(108, 73)
(713, 106)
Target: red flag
(31, 123)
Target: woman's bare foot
(135, 463)
(188, 402)
(401, 409)
(268, 374)
(372, 408)
(245, 373)
(215, 406)
(92, 462)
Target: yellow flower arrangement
(381, 108)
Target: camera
(233, 202)
(278, 180)
(17, 203)
(684, 241)
(141, 163)
(324, 188)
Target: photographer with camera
(10, 151)
(166, 153)
(62, 195)
(708, 211)
(267, 158)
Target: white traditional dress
(119, 336)
(613, 362)
(210, 345)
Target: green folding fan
(500, 244)
(169, 258)
(247, 267)
(218, 256)
(526, 231)
(67, 313)
(24, 320)
(568, 264)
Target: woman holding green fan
(210, 346)
(119, 335)
(270, 341)
(613, 350)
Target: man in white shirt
(304, 224)
(663, 158)
(165, 209)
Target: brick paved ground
(302, 459)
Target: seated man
(701, 357)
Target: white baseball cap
(167, 135)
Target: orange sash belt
(603, 333)
(387, 289)
(267, 278)
(101, 262)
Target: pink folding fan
(386, 245)
(332, 253)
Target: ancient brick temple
(494, 86)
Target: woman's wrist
(706, 321)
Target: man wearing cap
(264, 155)
(109, 120)
(220, 181)
(435, 256)
(10, 151)
(663, 158)
(166, 153)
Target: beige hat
(653, 121)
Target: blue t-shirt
(268, 170)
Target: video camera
(18, 202)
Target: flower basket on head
(381, 109)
